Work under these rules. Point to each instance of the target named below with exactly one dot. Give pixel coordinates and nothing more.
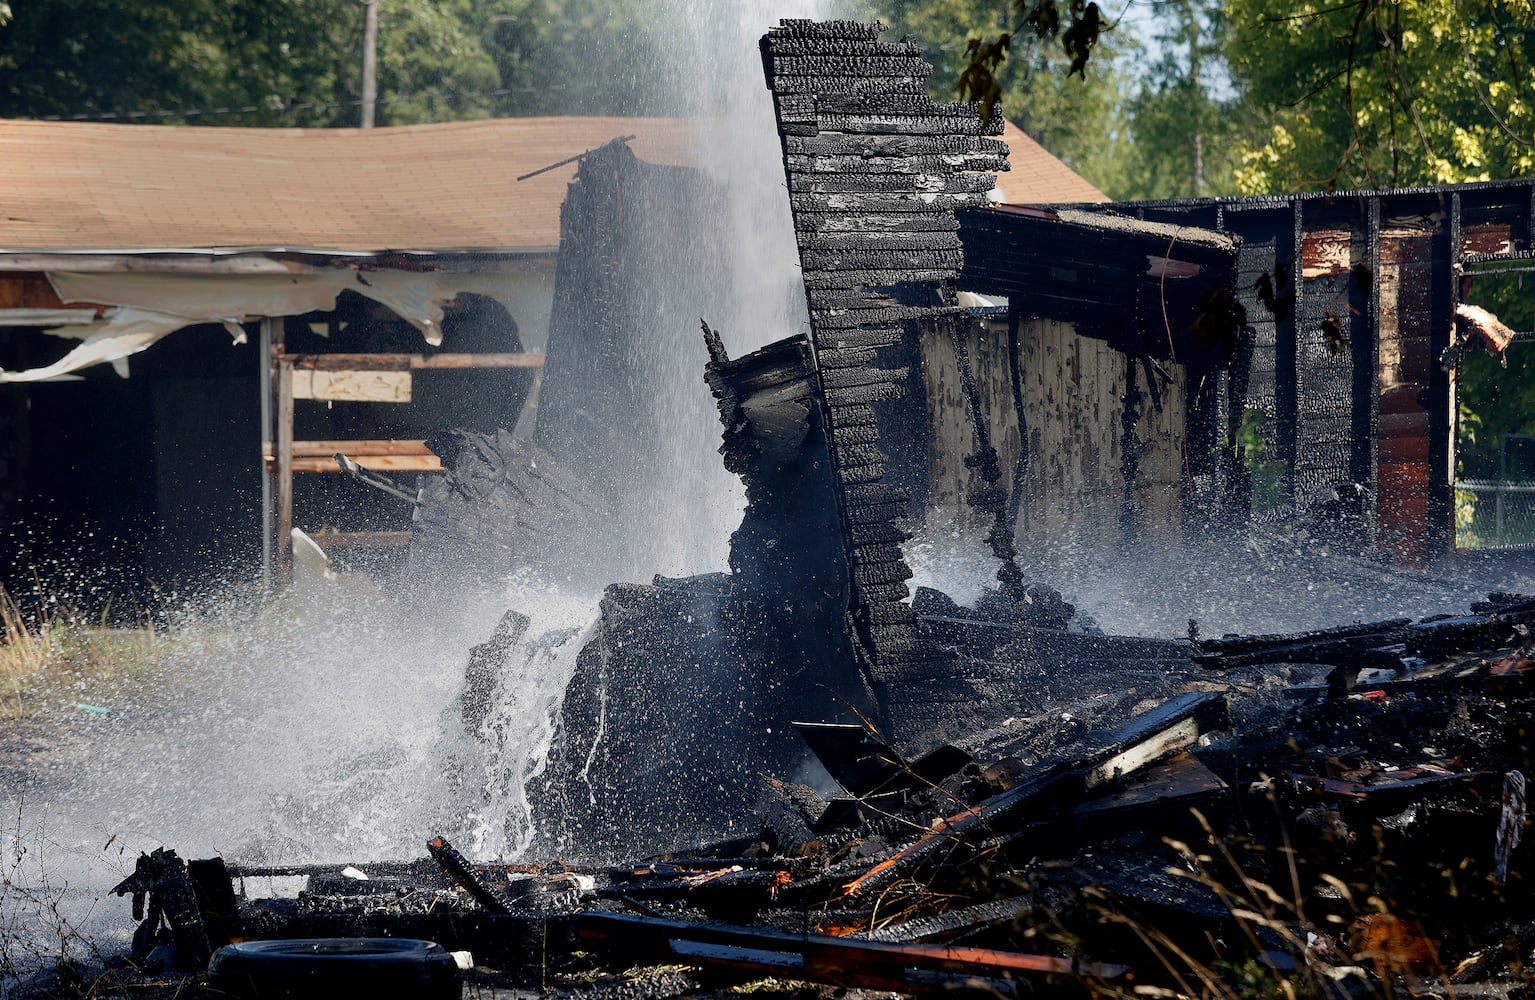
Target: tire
(315, 968)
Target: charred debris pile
(1338, 813)
(894, 791)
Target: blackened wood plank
(990, 163)
(800, 27)
(847, 358)
(876, 513)
(876, 260)
(844, 222)
(784, 46)
(899, 183)
(864, 394)
(893, 145)
(860, 495)
(864, 65)
(850, 415)
(816, 280)
(853, 474)
(882, 573)
(877, 593)
(869, 534)
(911, 203)
(842, 378)
(885, 124)
(848, 84)
(867, 337)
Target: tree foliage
(1185, 120)
(298, 62)
(1079, 120)
(1379, 93)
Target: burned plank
(913, 85)
(852, 357)
(799, 46)
(909, 222)
(862, 337)
(882, 260)
(800, 27)
(816, 281)
(892, 201)
(987, 163)
(879, 241)
(906, 968)
(899, 124)
(463, 873)
(1175, 725)
(871, 473)
(895, 145)
(841, 378)
(862, 66)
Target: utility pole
(369, 61)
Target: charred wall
(1339, 403)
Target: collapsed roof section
(1154, 288)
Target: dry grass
(39, 650)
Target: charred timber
(894, 222)
(800, 27)
(986, 163)
(860, 473)
(848, 377)
(860, 66)
(815, 281)
(856, 183)
(864, 394)
(896, 124)
(881, 260)
(900, 104)
(867, 146)
(875, 513)
(906, 203)
(846, 357)
(848, 85)
(860, 337)
(851, 415)
(940, 240)
(838, 320)
(785, 46)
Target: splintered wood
(875, 172)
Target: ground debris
(1328, 840)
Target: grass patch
(45, 651)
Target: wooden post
(264, 366)
(283, 560)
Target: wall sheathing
(875, 172)
(1342, 382)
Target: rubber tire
(316, 968)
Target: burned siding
(1337, 401)
(875, 171)
(1113, 334)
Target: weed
(48, 648)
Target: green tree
(1185, 119)
(1080, 118)
(1377, 93)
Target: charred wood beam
(869, 146)
(907, 968)
(463, 873)
(809, 166)
(1175, 725)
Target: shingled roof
(449, 187)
